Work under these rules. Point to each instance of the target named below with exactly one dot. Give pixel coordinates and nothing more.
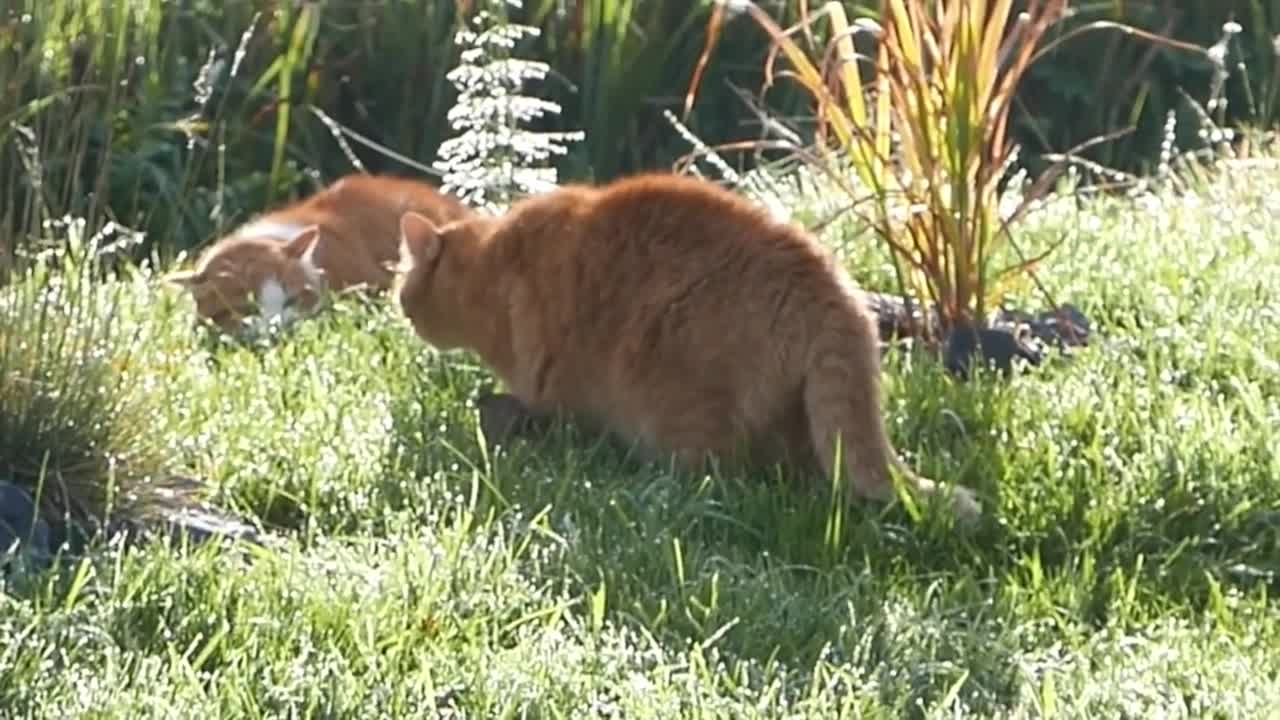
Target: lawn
(1126, 567)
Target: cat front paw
(503, 417)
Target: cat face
(430, 276)
(252, 273)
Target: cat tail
(842, 402)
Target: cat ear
(419, 239)
(185, 278)
(303, 245)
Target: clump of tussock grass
(77, 422)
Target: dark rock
(199, 526)
(898, 318)
(24, 535)
(1068, 324)
(1063, 327)
(176, 512)
(1011, 335)
(170, 516)
(998, 347)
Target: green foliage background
(184, 117)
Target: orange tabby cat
(671, 312)
(338, 238)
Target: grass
(1127, 568)
(76, 415)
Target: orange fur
(341, 237)
(672, 312)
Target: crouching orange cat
(672, 312)
(338, 238)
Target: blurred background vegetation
(182, 118)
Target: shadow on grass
(755, 566)
(762, 568)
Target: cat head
(433, 278)
(255, 270)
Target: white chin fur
(273, 301)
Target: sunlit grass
(1127, 568)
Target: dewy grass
(1128, 569)
(74, 430)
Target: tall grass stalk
(922, 138)
(917, 136)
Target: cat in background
(340, 237)
(670, 312)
